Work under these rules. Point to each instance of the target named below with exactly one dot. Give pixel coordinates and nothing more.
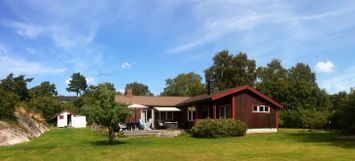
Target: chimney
(129, 92)
(210, 85)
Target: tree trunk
(110, 135)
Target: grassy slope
(81, 144)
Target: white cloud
(26, 30)
(325, 67)
(20, 65)
(89, 80)
(127, 65)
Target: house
(258, 111)
(68, 119)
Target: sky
(150, 41)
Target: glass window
(255, 109)
(61, 117)
(190, 113)
(261, 109)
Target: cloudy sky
(150, 41)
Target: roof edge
(238, 89)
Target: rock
(25, 129)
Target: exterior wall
(79, 121)
(244, 111)
(62, 122)
(131, 120)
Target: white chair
(148, 125)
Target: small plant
(210, 128)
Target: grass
(82, 144)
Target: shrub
(8, 102)
(210, 128)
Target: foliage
(139, 89)
(346, 113)
(16, 85)
(273, 81)
(104, 111)
(305, 118)
(77, 84)
(210, 128)
(230, 71)
(8, 102)
(44, 89)
(48, 106)
(185, 84)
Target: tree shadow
(331, 137)
(105, 143)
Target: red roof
(238, 89)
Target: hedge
(209, 128)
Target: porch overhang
(167, 109)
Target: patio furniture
(161, 124)
(148, 125)
(122, 126)
(171, 125)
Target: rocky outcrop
(21, 131)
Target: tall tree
(230, 71)
(16, 85)
(185, 84)
(44, 89)
(104, 110)
(77, 84)
(272, 80)
(139, 89)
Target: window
(261, 109)
(224, 111)
(61, 117)
(190, 113)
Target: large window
(225, 111)
(261, 109)
(190, 113)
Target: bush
(210, 128)
(8, 102)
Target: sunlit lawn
(82, 144)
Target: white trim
(261, 130)
(258, 107)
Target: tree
(185, 84)
(139, 89)
(273, 80)
(48, 106)
(8, 102)
(230, 71)
(346, 113)
(16, 85)
(303, 91)
(104, 110)
(44, 89)
(77, 84)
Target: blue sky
(150, 41)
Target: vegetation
(77, 84)
(139, 89)
(229, 71)
(185, 84)
(104, 110)
(287, 144)
(210, 128)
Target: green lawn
(82, 144)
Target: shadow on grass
(330, 137)
(105, 143)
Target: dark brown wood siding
(244, 111)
